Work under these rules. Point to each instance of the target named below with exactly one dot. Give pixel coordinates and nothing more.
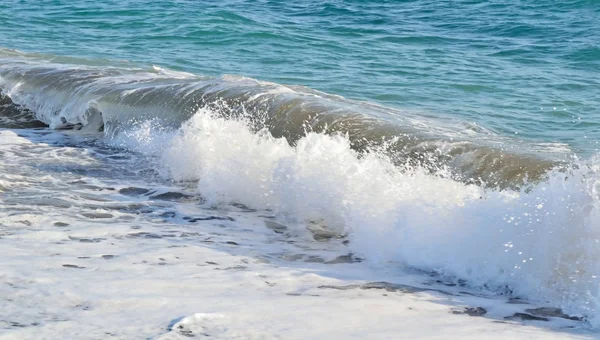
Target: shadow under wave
(13, 116)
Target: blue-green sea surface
(526, 69)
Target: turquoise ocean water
(525, 69)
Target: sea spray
(539, 243)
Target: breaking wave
(110, 98)
(441, 196)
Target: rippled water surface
(524, 68)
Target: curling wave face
(104, 97)
(403, 189)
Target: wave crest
(112, 99)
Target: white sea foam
(84, 259)
(540, 243)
